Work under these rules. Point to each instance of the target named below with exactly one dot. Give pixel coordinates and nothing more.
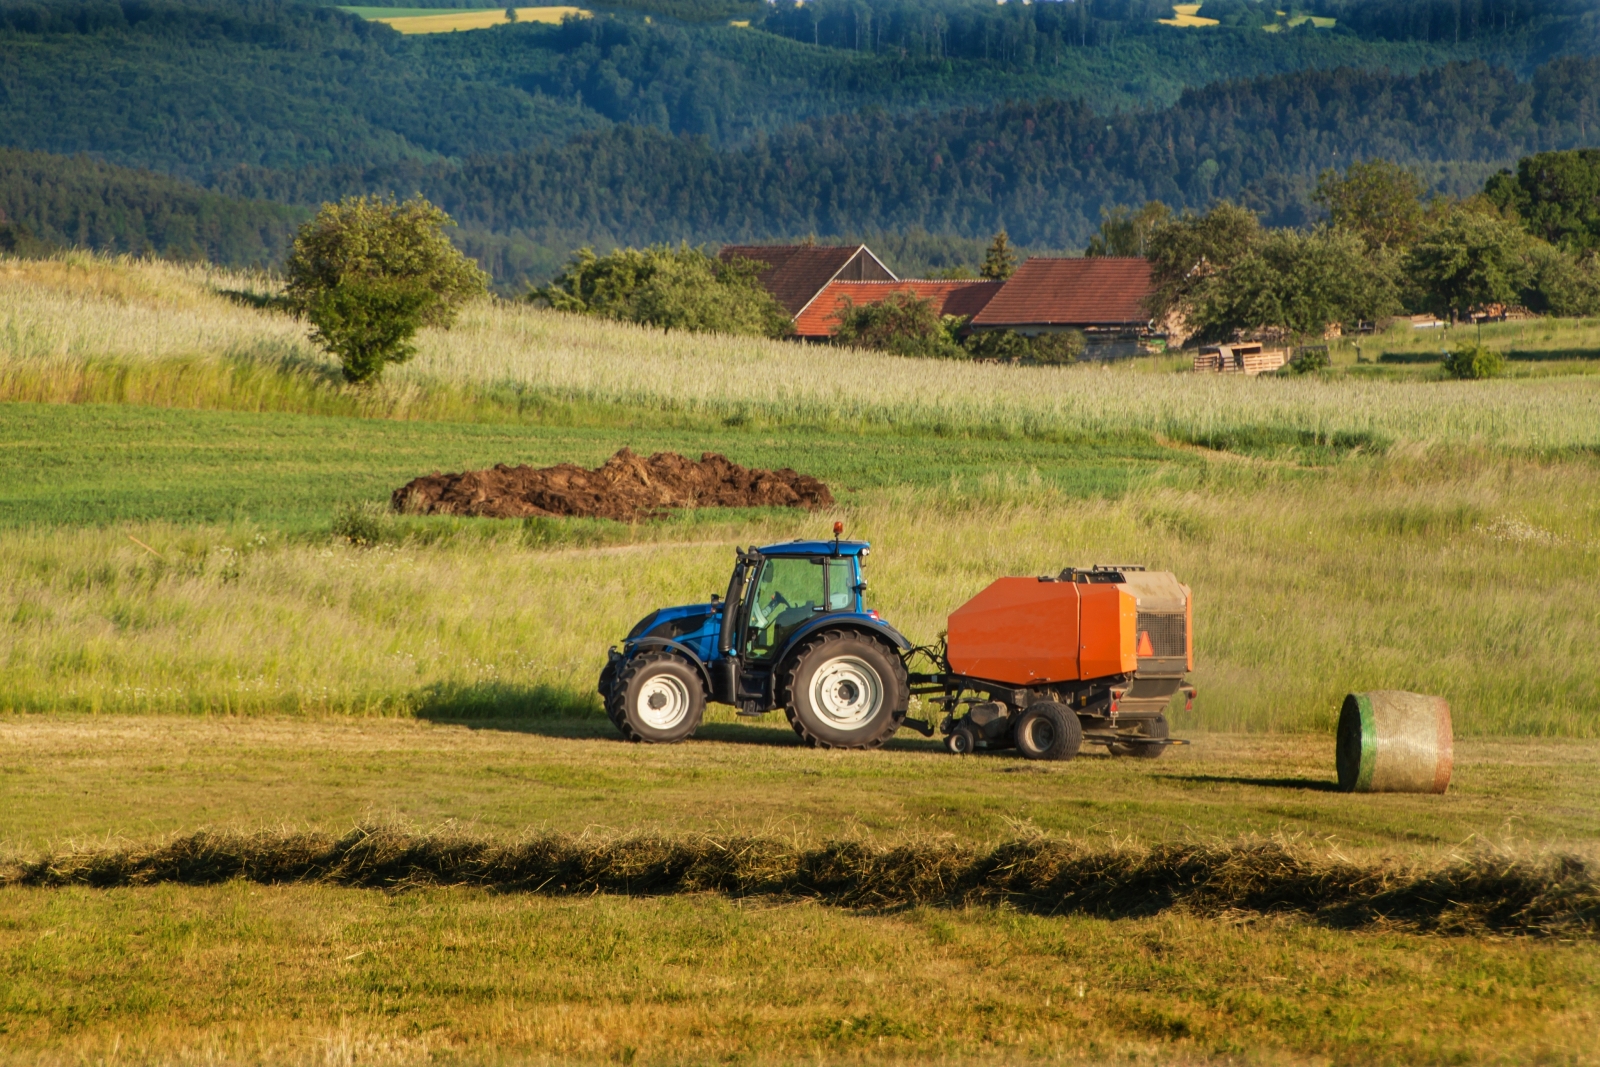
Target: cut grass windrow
(1557, 897)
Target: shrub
(1308, 359)
(679, 288)
(369, 272)
(1473, 361)
(1051, 348)
(903, 323)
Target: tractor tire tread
(616, 705)
(791, 668)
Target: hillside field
(212, 623)
(424, 20)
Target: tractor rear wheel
(845, 690)
(1048, 730)
(1156, 730)
(656, 698)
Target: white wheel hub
(846, 692)
(663, 701)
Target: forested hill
(1044, 170)
(49, 202)
(942, 117)
(194, 87)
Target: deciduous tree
(1377, 200)
(369, 271)
(1126, 232)
(902, 323)
(680, 288)
(1468, 259)
(1556, 196)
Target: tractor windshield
(788, 593)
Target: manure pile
(1555, 896)
(626, 488)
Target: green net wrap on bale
(1391, 741)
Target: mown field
(210, 623)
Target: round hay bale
(1394, 742)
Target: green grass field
(190, 640)
(84, 779)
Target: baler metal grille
(1168, 632)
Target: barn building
(797, 274)
(1104, 296)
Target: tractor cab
(784, 601)
(778, 589)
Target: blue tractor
(792, 633)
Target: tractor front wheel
(657, 698)
(1048, 730)
(845, 690)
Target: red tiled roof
(949, 297)
(1093, 291)
(796, 273)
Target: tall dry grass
(71, 328)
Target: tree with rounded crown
(1379, 201)
(369, 271)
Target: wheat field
(75, 324)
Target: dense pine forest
(209, 127)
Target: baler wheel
(1048, 730)
(962, 741)
(845, 690)
(656, 698)
(1156, 730)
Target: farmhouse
(797, 274)
(1104, 296)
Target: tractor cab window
(841, 585)
(788, 593)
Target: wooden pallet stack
(1249, 358)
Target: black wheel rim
(1042, 733)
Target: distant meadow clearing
(410, 20)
